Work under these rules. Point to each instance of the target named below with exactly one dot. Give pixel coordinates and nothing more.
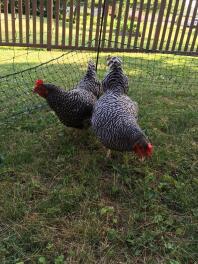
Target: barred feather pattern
(74, 108)
(115, 79)
(114, 118)
(90, 82)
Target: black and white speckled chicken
(73, 108)
(114, 118)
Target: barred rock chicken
(73, 108)
(114, 118)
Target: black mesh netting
(151, 76)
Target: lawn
(61, 199)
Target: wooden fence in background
(133, 25)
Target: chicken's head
(143, 148)
(40, 88)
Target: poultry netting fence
(152, 76)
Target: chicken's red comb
(149, 149)
(39, 82)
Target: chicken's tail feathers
(91, 66)
(114, 61)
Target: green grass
(62, 200)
